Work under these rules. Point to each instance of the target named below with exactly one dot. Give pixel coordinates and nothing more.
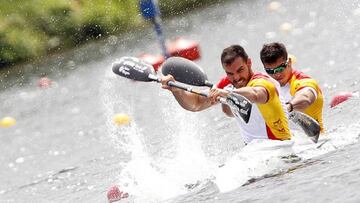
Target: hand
(164, 82)
(216, 93)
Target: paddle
(185, 71)
(182, 68)
(309, 125)
(136, 69)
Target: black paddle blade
(240, 106)
(133, 68)
(309, 125)
(184, 71)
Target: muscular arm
(256, 94)
(191, 102)
(187, 100)
(303, 99)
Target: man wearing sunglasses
(267, 120)
(301, 92)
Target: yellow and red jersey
(269, 120)
(297, 82)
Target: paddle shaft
(178, 85)
(187, 88)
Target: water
(65, 148)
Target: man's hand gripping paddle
(190, 73)
(136, 69)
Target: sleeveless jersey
(298, 81)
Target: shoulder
(300, 80)
(265, 81)
(260, 79)
(298, 75)
(258, 75)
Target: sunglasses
(278, 69)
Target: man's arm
(256, 94)
(302, 99)
(187, 100)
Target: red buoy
(115, 194)
(181, 47)
(154, 60)
(339, 98)
(185, 48)
(44, 82)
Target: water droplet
(331, 62)
(270, 35)
(20, 160)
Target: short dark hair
(230, 53)
(271, 52)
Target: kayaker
(268, 118)
(300, 91)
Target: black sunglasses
(278, 69)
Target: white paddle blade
(133, 68)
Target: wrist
(289, 106)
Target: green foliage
(32, 28)
(173, 7)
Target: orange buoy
(154, 60)
(340, 98)
(188, 49)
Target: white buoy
(286, 27)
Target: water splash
(155, 179)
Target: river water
(65, 147)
